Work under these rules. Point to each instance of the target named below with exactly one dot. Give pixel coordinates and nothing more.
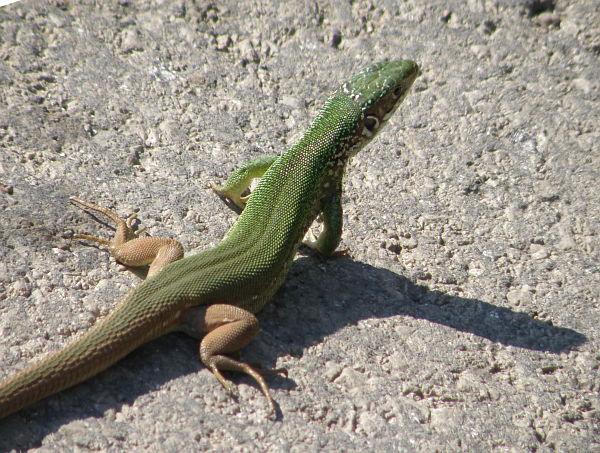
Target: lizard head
(377, 90)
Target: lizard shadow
(357, 291)
(319, 298)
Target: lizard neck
(288, 195)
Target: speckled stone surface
(465, 316)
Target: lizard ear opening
(371, 124)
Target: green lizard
(215, 294)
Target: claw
(124, 227)
(269, 372)
(237, 199)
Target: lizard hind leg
(228, 329)
(128, 248)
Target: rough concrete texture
(465, 316)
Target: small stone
(445, 419)
(572, 415)
(410, 244)
(131, 41)
(548, 19)
(223, 42)
(247, 52)
(517, 297)
(583, 85)
(292, 101)
(538, 252)
(332, 371)
(21, 288)
(547, 192)
(480, 51)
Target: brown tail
(108, 342)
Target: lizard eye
(398, 92)
(371, 123)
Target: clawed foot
(238, 200)
(312, 242)
(269, 372)
(257, 373)
(128, 248)
(124, 232)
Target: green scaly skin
(251, 262)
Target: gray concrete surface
(465, 317)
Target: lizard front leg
(129, 249)
(240, 180)
(331, 235)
